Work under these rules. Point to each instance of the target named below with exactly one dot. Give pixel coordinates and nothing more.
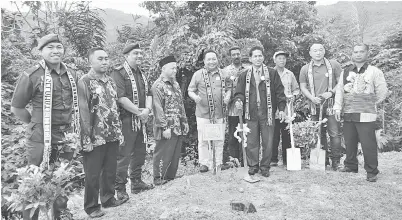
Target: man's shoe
(138, 186)
(97, 214)
(122, 194)
(347, 170)
(252, 170)
(112, 202)
(159, 181)
(64, 214)
(336, 165)
(274, 164)
(372, 177)
(265, 173)
(225, 166)
(203, 169)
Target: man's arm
(240, 88)
(338, 101)
(21, 97)
(83, 98)
(295, 86)
(192, 88)
(159, 113)
(279, 91)
(380, 86)
(121, 94)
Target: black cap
(130, 47)
(166, 60)
(50, 38)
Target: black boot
(137, 186)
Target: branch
(15, 3)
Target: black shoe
(97, 214)
(112, 202)
(371, 177)
(336, 165)
(347, 170)
(122, 194)
(225, 166)
(274, 164)
(138, 186)
(203, 169)
(159, 181)
(265, 173)
(252, 170)
(64, 214)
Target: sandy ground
(304, 194)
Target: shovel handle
(242, 140)
(292, 141)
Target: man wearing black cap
(51, 88)
(291, 90)
(170, 122)
(136, 103)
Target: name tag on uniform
(218, 78)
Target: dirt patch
(285, 194)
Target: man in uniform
(136, 103)
(170, 122)
(207, 89)
(318, 80)
(361, 88)
(260, 91)
(232, 73)
(101, 134)
(49, 81)
(291, 89)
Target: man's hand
(167, 134)
(88, 147)
(338, 115)
(186, 128)
(282, 116)
(326, 95)
(197, 99)
(239, 105)
(316, 100)
(291, 98)
(144, 114)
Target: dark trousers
(100, 174)
(280, 129)
(35, 156)
(258, 127)
(131, 154)
(363, 132)
(167, 157)
(334, 132)
(235, 150)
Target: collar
(165, 79)
(260, 69)
(93, 75)
(285, 71)
(63, 68)
(213, 72)
(362, 69)
(322, 63)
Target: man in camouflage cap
(51, 88)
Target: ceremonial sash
(210, 96)
(312, 88)
(135, 120)
(47, 111)
(268, 88)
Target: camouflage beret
(130, 47)
(50, 38)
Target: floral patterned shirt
(168, 108)
(100, 121)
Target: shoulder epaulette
(32, 69)
(118, 68)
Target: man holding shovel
(291, 89)
(260, 91)
(318, 80)
(361, 87)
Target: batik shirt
(168, 108)
(98, 108)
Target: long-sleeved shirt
(168, 107)
(232, 75)
(359, 91)
(278, 98)
(291, 88)
(100, 121)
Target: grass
(304, 194)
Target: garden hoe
(317, 155)
(244, 170)
(293, 156)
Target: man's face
(99, 61)
(210, 61)
(317, 52)
(135, 57)
(53, 52)
(257, 58)
(280, 61)
(170, 70)
(235, 56)
(360, 54)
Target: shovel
(293, 156)
(244, 170)
(317, 155)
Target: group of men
(109, 114)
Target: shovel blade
(293, 158)
(317, 159)
(251, 179)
